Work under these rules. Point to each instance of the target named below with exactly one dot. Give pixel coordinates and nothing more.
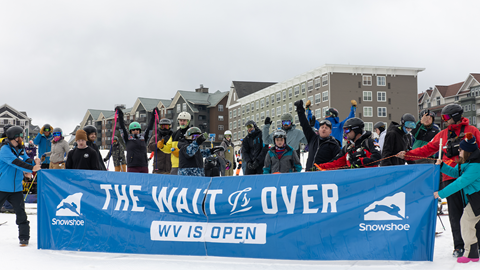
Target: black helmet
(355, 124)
(14, 132)
(407, 118)
(331, 112)
(165, 121)
(428, 112)
(47, 128)
(90, 129)
(251, 122)
(454, 111)
(380, 125)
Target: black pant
(45, 165)
(258, 170)
(16, 199)
(456, 203)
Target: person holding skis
(162, 162)
(59, 150)
(467, 173)
(281, 158)
(117, 152)
(228, 152)
(82, 157)
(424, 132)
(171, 145)
(360, 150)
(91, 142)
(295, 136)
(322, 146)
(379, 128)
(136, 142)
(14, 165)
(398, 139)
(44, 142)
(452, 115)
(253, 149)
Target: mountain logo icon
(70, 206)
(389, 208)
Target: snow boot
(458, 252)
(23, 242)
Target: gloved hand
(217, 149)
(253, 165)
(234, 165)
(308, 103)
(160, 144)
(44, 155)
(356, 164)
(299, 105)
(175, 152)
(356, 155)
(312, 121)
(201, 139)
(227, 165)
(105, 159)
(268, 121)
(354, 103)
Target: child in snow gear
(253, 149)
(44, 142)
(228, 152)
(59, 150)
(424, 132)
(379, 128)
(117, 152)
(398, 139)
(162, 162)
(322, 147)
(467, 172)
(82, 157)
(191, 156)
(171, 145)
(14, 165)
(91, 139)
(295, 136)
(281, 158)
(136, 142)
(451, 136)
(360, 150)
(31, 150)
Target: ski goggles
(228, 136)
(55, 134)
(347, 130)
(249, 126)
(410, 124)
(286, 123)
(195, 136)
(325, 122)
(46, 129)
(446, 117)
(19, 135)
(165, 126)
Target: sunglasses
(165, 126)
(286, 122)
(55, 134)
(195, 136)
(446, 117)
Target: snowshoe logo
(390, 208)
(237, 206)
(70, 206)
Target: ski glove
(354, 103)
(175, 152)
(312, 121)
(299, 105)
(308, 103)
(253, 165)
(268, 121)
(160, 144)
(105, 159)
(356, 164)
(201, 139)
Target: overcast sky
(60, 58)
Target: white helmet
(227, 132)
(184, 116)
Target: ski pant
(174, 171)
(122, 168)
(60, 165)
(137, 169)
(456, 204)
(45, 166)
(467, 224)
(16, 199)
(258, 170)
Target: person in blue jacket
(14, 165)
(44, 143)
(332, 116)
(467, 173)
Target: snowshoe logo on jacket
(69, 207)
(238, 203)
(389, 208)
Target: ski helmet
(332, 112)
(452, 111)
(57, 130)
(380, 125)
(165, 121)
(47, 128)
(134, 126)
(184, 116)
(228, 132)
(90, 129)
(115, 138)
(252, 123)
(14, 132)
(408, 121)
(427, 112)
(191, 131)
(279, 133)
(355, 124)
(325, 122)
(286, 117)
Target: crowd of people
(331, 144)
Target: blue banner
(385, 213)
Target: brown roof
(450, 90)
(476, 76)
(429, 92)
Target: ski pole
(156, 140)
(28, 191)
(438, 215)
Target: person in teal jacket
(44, 142)
(14, 165)
(281, 158)
(467, 173)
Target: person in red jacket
(451, 138)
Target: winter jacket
(32, 150)
(396, 140)
(162, 162)
(191, 158)
(173, 143)
(99, 158)
(253, 148)
(44, 145)
(59, 151)
(136, 144)
(365, 145)
(13, 163)
(294, 136)
(381, 139)
(320, 150)
(117, 152)
(337, 126)
(288, 162)
(468, 180)
(432, 147)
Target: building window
(273, 99)
(324, 80)
(284, 94)
(243, 121)
(279, 124)
(267, 113)
(257, 118)
(317, 82)
(382, 111)
(296, 119)
(368, 111)
(230, 125)
(235, 124)
(382, 96)
(310, 85)
(318, 98)
(179, 108)
(369, 126)
(279, 96)
(261, 103)
(325, 96)
(311, 99)
(324, 111)
(253, 106)
(262, 115)
(230, 114)
(367, 80)
(243, 110)
(367, 95)
(234, 136)
(247, 108)
(273, 112)
(220, 118)
(303, 88)
(381, 81)
(235, 112)
(296, 90)
(473, 107)
(318, 113)
(284, 108)
(279, 111)
(290, 106)
(438, 101)
(456, 98)
(257, 104)
(474, 120)
(290, 92)
(220, 127)
(267, 100)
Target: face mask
(56, 139)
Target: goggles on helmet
(328, 113)
(325, 122)
(195, 136)
(249, 126)
(228, 136)
(18, 135)
(446, 117)
(165, 126)
(55, 134)
(410, 124)
(46, 129)
(347, 130)
(286, 122)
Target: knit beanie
(81, 135)
(469, 144)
